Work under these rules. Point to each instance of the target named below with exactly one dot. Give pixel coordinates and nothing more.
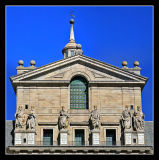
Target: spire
(72, 48)
(72, 38)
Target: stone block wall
(110, 102)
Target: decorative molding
(79, 123)
(84, 149)
(110, 124)
(59, 75)
(76, 59)
(47, 123)
(97, 75)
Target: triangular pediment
(92, 69)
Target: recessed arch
(80, 73)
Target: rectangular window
(134, 140)
(47, 137)
(110, 137)
(79, 137)
(24, 140)
(131, 107)
(72, 53)
(66, 54)
(26, 106)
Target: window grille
(79, 93)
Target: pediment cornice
(87, 61)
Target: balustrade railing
(80, 143)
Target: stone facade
(44, 90)
(10, 127)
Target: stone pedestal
(63, 137)
(23, 138)
(134, 138)
(17, 138)
(128, 138)
(95, 137)
(31, 138)
(141, 138)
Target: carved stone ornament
(19, 118)
(126, 119)
(31, 120)
(63, 119)
(94, 119)
(138, 119)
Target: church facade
(78, 105)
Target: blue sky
(110, 34)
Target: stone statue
(19, 117)
(31, 121)
(126, 119)
(94, 119)
(63, 119)
(138, 119)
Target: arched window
(79, 93)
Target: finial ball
(32, 62)
(78, 46)
(136, 63)
(124, 63)
(71, 21)
(20, 62)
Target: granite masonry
(79, 105)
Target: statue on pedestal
(31, 121)
(126, 119)
(19, 118)
(138, 119)
(63, 119)
(94, 119)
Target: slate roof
(149, 132)
(9, 128)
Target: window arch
(79, 93)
